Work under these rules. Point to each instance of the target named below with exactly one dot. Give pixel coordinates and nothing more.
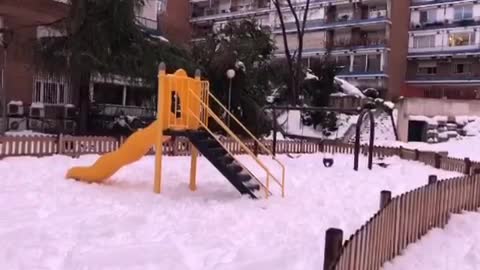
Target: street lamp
(230, 76)
(6, 39)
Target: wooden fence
(76, 146)
(404, 220)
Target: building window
(54, 90)
(161, 6)
(464, 12)
(428, 16)
(424, 41)
(462, 68)
(461, 39)
(427, 68)
(108, 93)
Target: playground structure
(367, 110)
(184, 111)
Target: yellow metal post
(194, 151)
(157, 187)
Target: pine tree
(104, 37)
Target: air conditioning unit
(35, 125)
(70, 112)
(17, 123)
(37, 110)
(69, 126)
(15, 108)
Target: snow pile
(349, 88)
(38, 105)
(48, 222)
(457, 247)
(16, 103)
(461, 147)
(26, 133)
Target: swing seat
(328, 162)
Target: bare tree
(294, 60)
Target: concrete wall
(430, 108)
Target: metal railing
(208, 112)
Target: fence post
(61, 144)
(385, 198)
(400, 152)
(476, 171)
(468, 166)
(432, 179)
(417, 154)
(438, 161)
(333, 247)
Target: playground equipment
(184, 110)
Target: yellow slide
(134, 148)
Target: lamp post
(230, 76)
(7, 36)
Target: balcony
(356, 16)
(349, 43)
(445, 24)
(444, 51)
(215, 13)
(379, 17)
(417, 3)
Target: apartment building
(47, 103)
(366, 37)
(444, 49)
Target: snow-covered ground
(48, 222)
(457, 247)
(462, 147)
(26, 133)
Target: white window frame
(463, 8)
(42, 94)
(427, 65)
(431, 15)
(162, 6)
(417, 41)
(471, 38)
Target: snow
(389, 104)
(310, 76)
(26, 133)
(349, 88)
(48, 222)
(422, 118)
(15, 102)
(38, 105)
(457, 247)
(460, 147)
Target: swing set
(328, 162)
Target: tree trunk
(80, 87)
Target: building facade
(364, 37)
(47, 103)
(444, 49)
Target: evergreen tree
(104, 36)
(247, 48)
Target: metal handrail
(249, 152)
(265, 148)
(267, 191)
